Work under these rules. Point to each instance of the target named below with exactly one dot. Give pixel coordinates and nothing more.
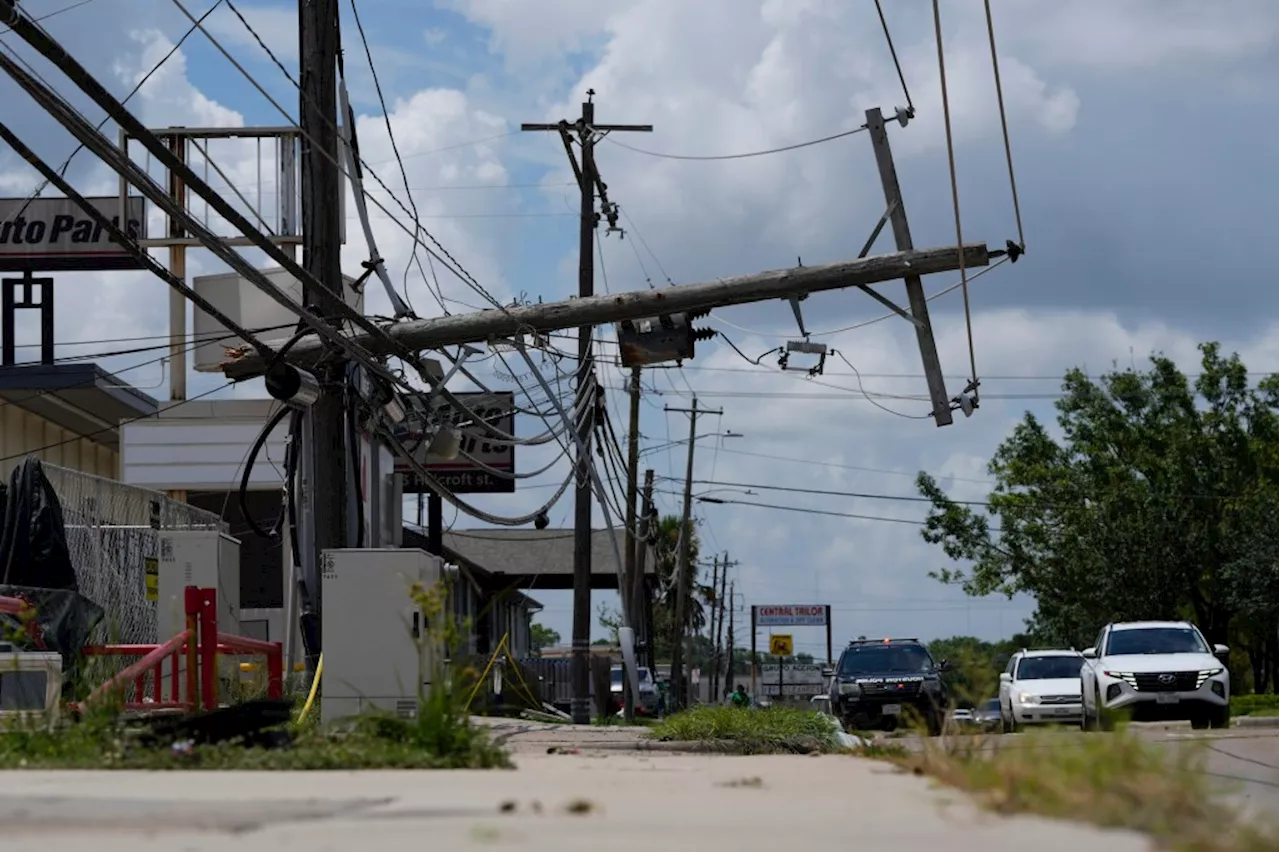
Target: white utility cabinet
(374, 637)
(205, 558)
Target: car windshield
(879, 659)
(615, 676)
(1045, 668)
(1155, 640)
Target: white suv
(1155, 671)
(1040, 686)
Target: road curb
(667, 746)
(1255, 722)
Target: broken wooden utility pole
(919, 315)
(482, 326)
(322, 258)
(589, 184)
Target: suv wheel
(1220, 717)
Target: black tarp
(33, 544)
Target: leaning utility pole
(919, 305)
(683, 568)
(321, 257)
(589, 183)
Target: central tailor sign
(791, 615)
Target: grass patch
(1255, 705)
(773, 730)
(371, 742)
(1115, 781)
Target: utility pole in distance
(641, 597)
(683, 568)
(321, 257)
(629, 572)
(589, 183)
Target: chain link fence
(113, 533)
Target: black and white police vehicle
(877, 683)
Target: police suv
(876, 683)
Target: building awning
(529, 559)
(81, 398)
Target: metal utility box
(205, 558)
(377, 648)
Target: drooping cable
(243, 495)
(955, 193)
(1004, 125)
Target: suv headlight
(850, 689)
(1028, 698)
(1205, 674)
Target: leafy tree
(541, 636)
(699, 600)
(1158, 501)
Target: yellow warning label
(780, 644)
(151, 574)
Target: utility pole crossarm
(481, 326)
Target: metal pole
(633, 463)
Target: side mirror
(1221, 651)
(944, 666)
(828, 673)
(1005, 677)
(1089, 653)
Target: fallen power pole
(589, 185)
(504, 323)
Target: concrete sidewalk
(552, 802)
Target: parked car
(1155, 670)
(646, 701)
(987, 715)
(962, 717)
(1040, 687)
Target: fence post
(275, 672)
(209, 648)
(191, 599)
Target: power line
(911, 109)
(742, 156)
(855, 516)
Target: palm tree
(667, 558)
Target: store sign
(792, 615)
(56, 235)
(482, 472)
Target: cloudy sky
(1139, 133)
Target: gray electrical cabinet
(378, 648)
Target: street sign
(798, 679)
(791, 615)
(780, 644)
(463, 475)
(55, 235)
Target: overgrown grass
(1255, 705)
(1115, 781)
(441, 735)
(773, 730)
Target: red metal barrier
(200, 643)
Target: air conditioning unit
(204, 558)
(30, 684)
(378, 653)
